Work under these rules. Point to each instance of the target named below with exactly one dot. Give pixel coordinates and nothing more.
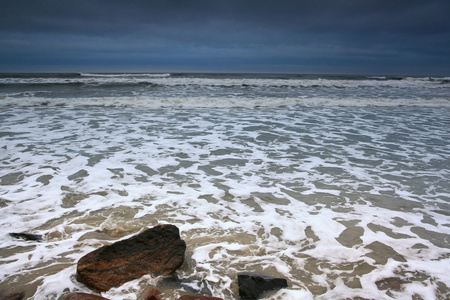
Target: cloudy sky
(402, 37)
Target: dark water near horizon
(215, 89)
(336, 183)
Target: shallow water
(334, 199)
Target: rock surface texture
(251, 286)
(156, 251)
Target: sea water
(340, 184)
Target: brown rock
(153, 295)
(83, 296)
(12, 296)
(156, 251)
(198, 297)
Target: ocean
(340, 184)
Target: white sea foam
(331, 198)
(219, 90)
(125, 75)
(203, 102)
(165, 79)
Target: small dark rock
(83, 296)
(12, 296)
(27, 236)
(155, 251)
(391, 283)
(251, 286)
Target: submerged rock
(27, 236)
(156, 251)
(12, 296)
(193, 287)
(83, 296)
(153, 295)
(251, 286)
(391, 283)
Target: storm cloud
(371, 37)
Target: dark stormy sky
(402, 37)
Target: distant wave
(211, 102)
(165, 79)
(158, 75)
(221, 90)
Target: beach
(336, 183)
